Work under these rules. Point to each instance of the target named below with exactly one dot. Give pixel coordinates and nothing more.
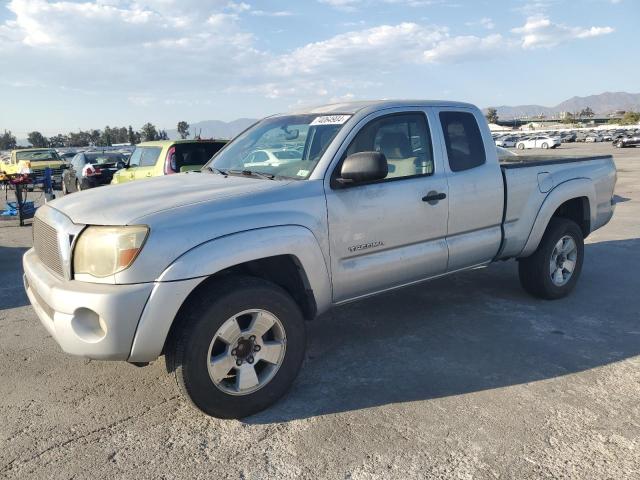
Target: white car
(593, 138)
(271, 157)
(539, 141)
(506, 142)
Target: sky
(69, 65)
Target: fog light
(88, 325)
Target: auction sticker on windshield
(330, 120)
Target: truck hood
(128, 203)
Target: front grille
(45, 243)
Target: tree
(58, 141)
(133, 137)
(183, 129)
(492, 115)
(586, 113)
(162, 135)
(7, 141)
(106, 137)
(630, 118)
(148, 132)
(36, 139)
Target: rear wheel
(552, 271)
(545, 145)
(521, 146)
(238, 349)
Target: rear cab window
(188, 155)
(465, 148)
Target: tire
(545, 145)
(521, 146)
(535, 271)
(197, 339)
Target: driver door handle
(434, 197)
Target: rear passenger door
(476, 191)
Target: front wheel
(552, 271)
(238, 348)
(545, 145)
(521, 146)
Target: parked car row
(620, 138)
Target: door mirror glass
(363, 167)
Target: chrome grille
(45, 243)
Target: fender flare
(178, 280)
(561, 193)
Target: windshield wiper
(217, 170)
(251, 173)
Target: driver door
(391, 232)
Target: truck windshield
(37, 155)
(285, 146)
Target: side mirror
(363, 167)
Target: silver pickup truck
(218, 270)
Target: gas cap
(545, 182)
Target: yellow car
(165, 157)
(34, 161)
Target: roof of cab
(168, 143)
(353, 107)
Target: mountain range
(603, 103)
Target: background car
(538, 141)
(505, 142)
(91, 169)
(593, 138)
(166, 157)
(631, 141)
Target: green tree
(492, 115)
(630, 118)
(121, 135)
(183, 129)
(7, 141)
(162, 135)
(58, 141)
(148, 132)
(133, 137)
(36, 139)
(586, 113)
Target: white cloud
(468, 47)
(538, 31)
(180, 51)
(347, 5)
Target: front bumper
(92, 320)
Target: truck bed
(529, 179)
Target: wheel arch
(573, 200)
(289, 256)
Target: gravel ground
(463, 377)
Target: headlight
(104, 251)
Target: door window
(134, 159)
(462, 137)
(149, 156)
(403, 139)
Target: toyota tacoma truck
(218, 270)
